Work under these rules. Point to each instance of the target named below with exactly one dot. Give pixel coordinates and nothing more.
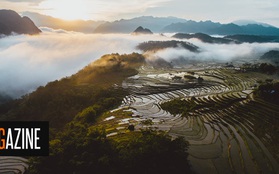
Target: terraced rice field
(230, 131)
(13, 165)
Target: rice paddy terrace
(10, 165)
(228, 128)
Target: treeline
(185, 106)
(269, 91)
(59, 101)
(78, 142)
(204, 38)
(82, 149)
(159, 45)
(265, 68)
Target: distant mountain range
(55, 23)
(155, 24)
(253, 38)
(10, 22)
(212, 28)
(246, 22)
(237, 39)
(176, 25)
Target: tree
(131, 127)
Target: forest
(78, 142)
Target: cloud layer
(220, 53)
(27, 62)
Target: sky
(223, 11)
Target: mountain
(247, 22)
(55, 23)
(156, 24)
(256, 29)
(226, 29)
(4, 98)
(154, 46)
(253, 38)
(141, 30)
(59, 101)
(10, 21)
(237, 39)
(209, 27)
(272, 56)
(204, 38)
(191, 27)
(128, 25)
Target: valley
(144, 95)
(216, 108)
(229, 129)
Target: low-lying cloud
(219, 53)
(27, 62)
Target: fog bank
(27, 62)
(216, 52)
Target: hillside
(55, 23)
(272, 56)
(159, 45)
(77, 108)
(99, 118)
(240, 38)
(10, 22)
(204, 38)
(253, 38)
(59, 101)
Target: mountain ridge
(157, 25)
(209, 27)
(11, 21)
(87, 26)
(128, 25)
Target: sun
(66, 9)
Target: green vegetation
(76, 107)
(89, 93)
(265, 68)
(185, 106)
(271, 56)
(204, 38)
(80, 149)
(178, 106)
(269, 91)
(4, 98)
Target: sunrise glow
(68, 10)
